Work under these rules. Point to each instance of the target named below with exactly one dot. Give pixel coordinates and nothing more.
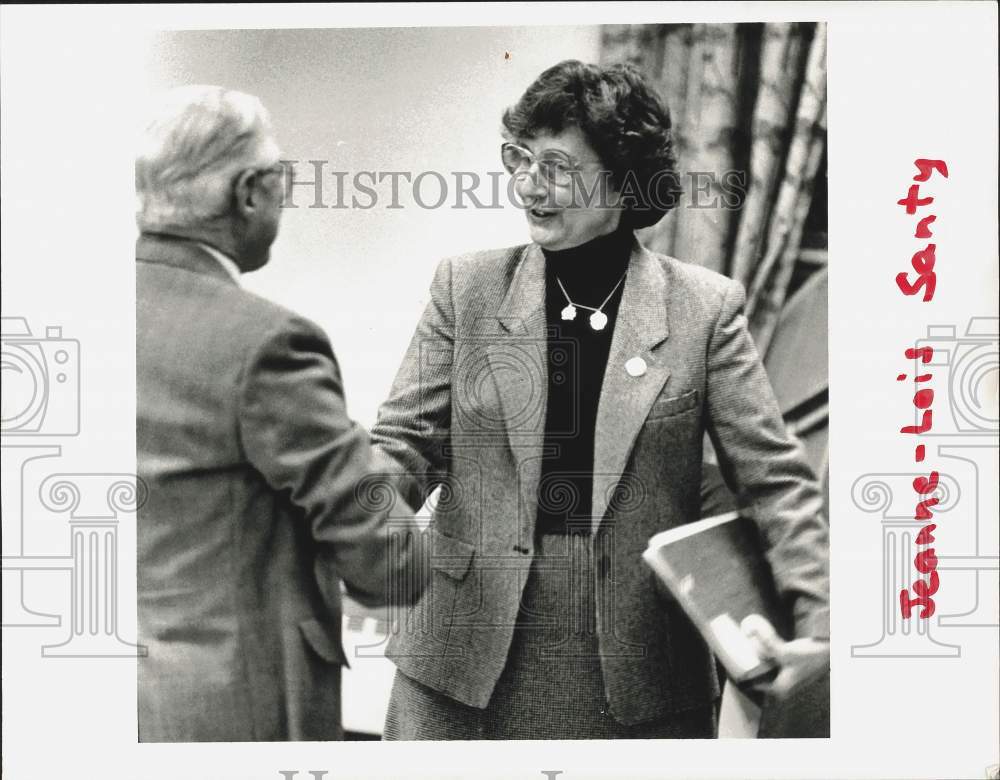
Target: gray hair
(198, 140)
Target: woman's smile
(540, 214)
(541, 211)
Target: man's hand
(800, 661)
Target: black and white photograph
(613, 387)
(560, 401)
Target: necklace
(598, 320)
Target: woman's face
(563, 214)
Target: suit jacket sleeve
(295, 431)
(765, 467)
(414, 422)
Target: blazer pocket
(668, 407)
(324, 639)
(450, 556)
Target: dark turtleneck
(577, 356)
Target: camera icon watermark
(500, 384)
(41, 380)
(965, 370)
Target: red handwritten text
(926, 560)
(924, 259)
(922, 262)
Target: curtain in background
(747, 100)
(750, 100)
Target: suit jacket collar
(641, 329)
(179, 252)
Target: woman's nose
(529, 184)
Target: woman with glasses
(559, 393)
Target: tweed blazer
(251, 520)
(467, 409)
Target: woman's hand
(800, 661)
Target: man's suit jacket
(468, 407)
(251, 464)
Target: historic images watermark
(315, 184)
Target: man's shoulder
(258, 321)
(267, 312)
(199, 305)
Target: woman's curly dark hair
(622, 118)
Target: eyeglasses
(557, 167)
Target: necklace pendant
(569, 313)
(598, 320)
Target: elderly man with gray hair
(254, 515)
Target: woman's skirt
(552, 686)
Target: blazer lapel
(519, 364)
(626, 398)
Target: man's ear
(245, 192)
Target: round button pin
(635, 366)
